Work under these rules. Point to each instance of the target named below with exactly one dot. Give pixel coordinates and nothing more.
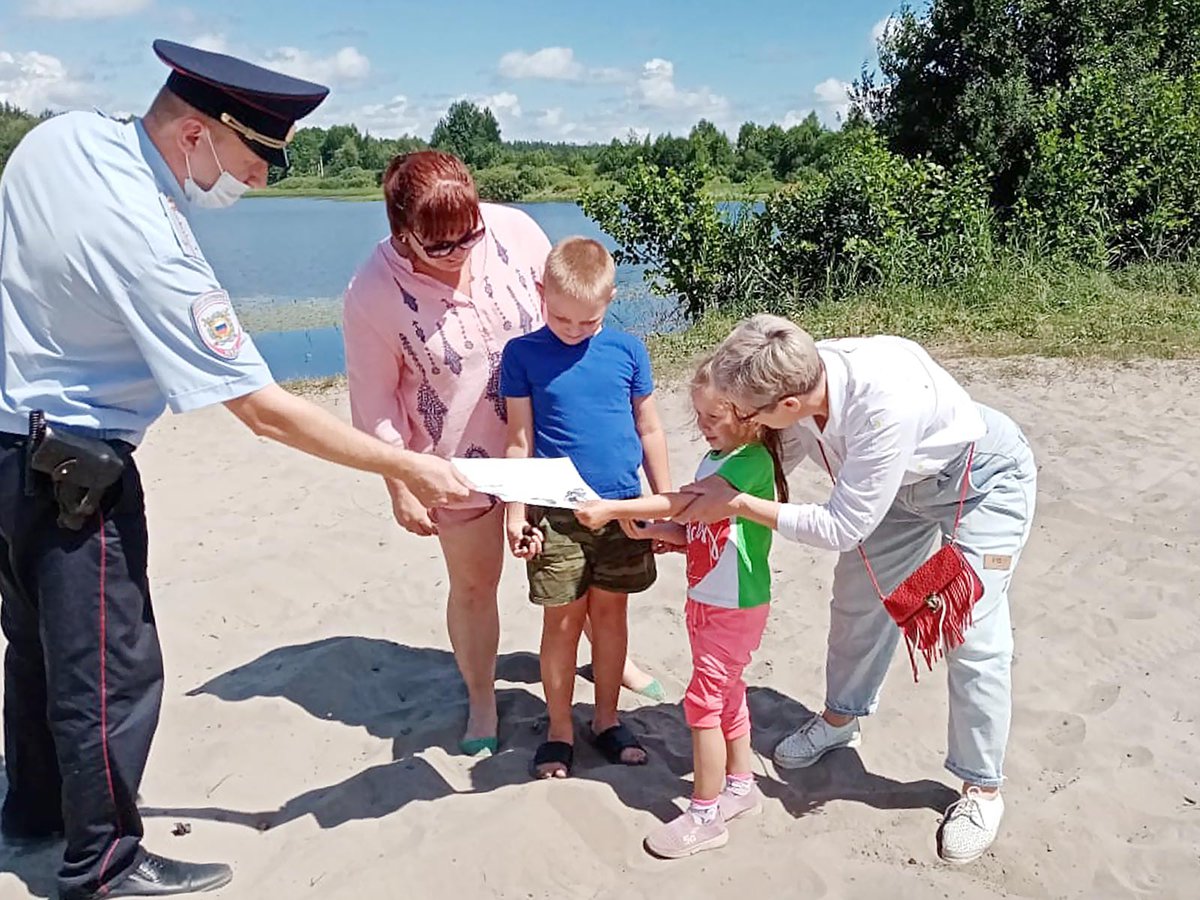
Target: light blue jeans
(995, 524)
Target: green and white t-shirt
(727, 561)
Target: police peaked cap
(260, 105)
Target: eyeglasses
(445, 248)
(746, 418)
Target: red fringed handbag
(933, 605)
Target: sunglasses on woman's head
(444, 248)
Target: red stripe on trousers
(104, 696)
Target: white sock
(704, 812)
(739, 785)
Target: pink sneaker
(732, 806)
(684, 836)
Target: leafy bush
(1115, 171)
(667, 223)
(501, 184)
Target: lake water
(286, 262)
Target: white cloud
(346, 65)
(656, 90)
(216, 43)
(794, 117)
(84, 9)
(504, 103)
(653, 103)
(832, 100)
(547, 64)
(391, 119)
(554, 64)
(880, 28)
(37, 81)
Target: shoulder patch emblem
(179, 225)
(217, 324)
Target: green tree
(758, 151)
(669, 152)
(711, 148)
(304, 153)
(470, 133)
(336, 137)
(15, 123)
(968, 78)
(664, 221)
(345, 157)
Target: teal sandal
(478, 746)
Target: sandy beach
(312, 706)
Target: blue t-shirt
(582, 397)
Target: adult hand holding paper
(533, 481)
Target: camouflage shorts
(575, 558)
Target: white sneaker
(970, 826)
(814, 739)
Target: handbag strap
(962, 499)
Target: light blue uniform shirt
(109, 311)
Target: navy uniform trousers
(83, 672)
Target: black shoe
(157, 876)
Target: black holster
(80, 468)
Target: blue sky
(557, 71)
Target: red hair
(431, 193)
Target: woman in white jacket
(913, 461)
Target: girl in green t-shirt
(729, 595)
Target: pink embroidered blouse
(423, 359)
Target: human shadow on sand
(34, 864)
(840, 775)
(414, 697)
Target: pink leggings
(722, 641)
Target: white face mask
(226, 190)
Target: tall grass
(1017, 305)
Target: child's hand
(525, 540)
(594, 514)
(665, 536)
(638, 529)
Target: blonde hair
(581, 268)
(703, 379)
(765, 359)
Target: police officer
(109, 313)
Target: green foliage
(877, 217)
(470, 133)
(1115, 169)
(999, 144)
(499, 185)
(667, 223)
(970, 79)
(1008, 308)
(14, 125)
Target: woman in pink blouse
(425, 320)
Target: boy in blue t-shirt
(574, 389)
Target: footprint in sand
(1100, 698)
(1066, 729)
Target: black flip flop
(612, 742)
(550, 752)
